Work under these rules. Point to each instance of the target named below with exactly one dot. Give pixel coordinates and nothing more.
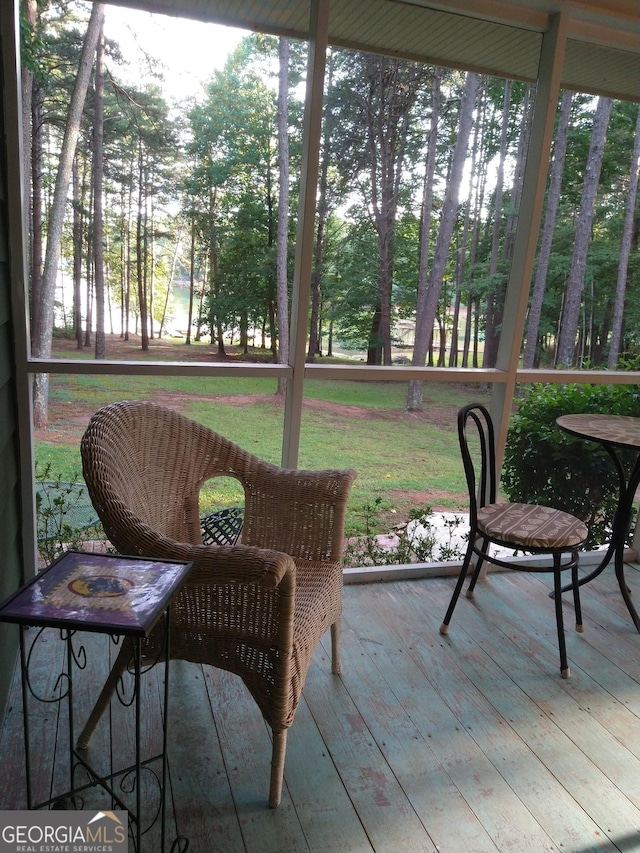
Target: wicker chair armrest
(224, 564)
(300, 512)
(234, 576)
(214, 564)
(317, 486)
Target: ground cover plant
(63, 520)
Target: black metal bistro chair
(532, 528)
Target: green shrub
(543, 464)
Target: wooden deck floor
(467, 744)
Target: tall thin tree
(447, 221)
(282, 237)
(421, 340)
(565, 356)
(98, 173)
(553, 200)
(625, 252)
(44, 340)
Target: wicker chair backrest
(149, 461)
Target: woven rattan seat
(534, 528)
(256, 608)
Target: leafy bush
(543, 464)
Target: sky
(189, 50)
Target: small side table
(119, 596)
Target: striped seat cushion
(531, 526)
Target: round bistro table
(613, 432)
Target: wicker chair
(257, 608)
(533, 528)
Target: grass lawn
(406, 459)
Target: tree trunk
(56, 220)
(393, 86)
(491, 331)
(553, 199)
(282, 238)
(625, 252)
(172, 272)
(77, 256)
(98, 172)
(30, 123)
(449, 208)
(565, 356)
(150, 266)
(461, 259)
(27, 80)
(495, 318)
(88, 326)
(323, 213)
(37, 216)
(421, 338)
(141, 258)
(374, 349)
(192, 278)
(202, 295)
(473, 302)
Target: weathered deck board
(560, 731)
(200, 792)
(396, 703)
(510, 787)
(387, 816)
(470, 742)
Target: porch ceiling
(500, 37)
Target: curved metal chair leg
(576, 594)
(478, 568)
(444, 628)
(565, 672)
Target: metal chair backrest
(477, 446)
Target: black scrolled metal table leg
(165, 727)
(138, 664)
(619, 530)
(25, 714)
(621, 526)
(69, 653)
(624, 589)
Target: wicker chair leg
(277, 767)
(120, 665)
(336, 633)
